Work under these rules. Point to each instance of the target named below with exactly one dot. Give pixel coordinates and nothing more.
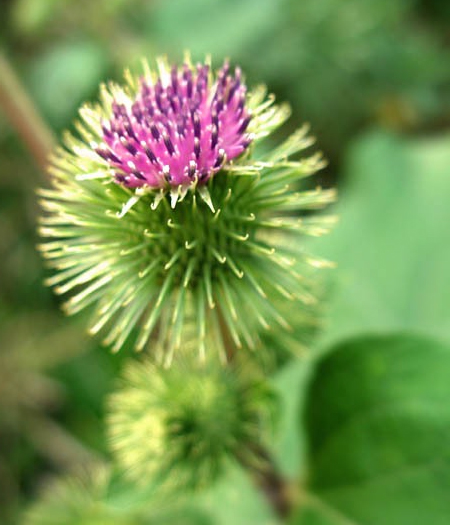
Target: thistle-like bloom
(159, 214)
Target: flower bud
(182, 425)
(98, 496)
(81, 500)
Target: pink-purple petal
(176, 134)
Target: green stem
(23, 116)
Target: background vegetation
(373, 79)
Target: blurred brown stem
(23, 116)
(262, 468)
(277, 490)
(57, 445)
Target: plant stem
(277, 490)
(23, 115)
(228, 343)
(56, 444)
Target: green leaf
(378, 422)
(391, 245)
(288, 444)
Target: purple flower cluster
(177, 131)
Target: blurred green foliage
(347, 68)
(390, 243)
(377, 418)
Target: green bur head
(218, 253)
(81, 500)
(181, 425)
(98, 495)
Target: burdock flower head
(159, 215)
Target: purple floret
(180, 132)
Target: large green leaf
(288, 446)
(392, 244)
(378, 422)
